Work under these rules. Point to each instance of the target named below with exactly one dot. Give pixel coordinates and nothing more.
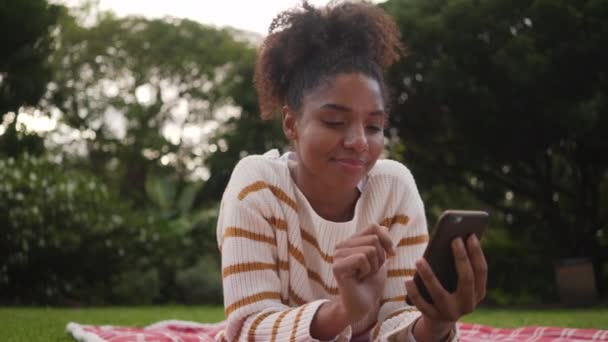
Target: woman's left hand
(439, 318)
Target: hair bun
(305, 34)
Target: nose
(356, 140)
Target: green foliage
(64, 234)
(501, 106)
(128, 203)
(15, 142)
(69, 239)
(132, 87)
(136, 287)
(201, 283)
(507, 100)
(187, 256)
(170, 196)
(26, 39)
(239, 138)
(242, 135)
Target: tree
(26, 41)
(26, 37)
(137, 100)
(142, 95)
(242, 135)
(508, 100)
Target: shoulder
(394, 182)
(393, 173)
(262, 169)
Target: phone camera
(456, 219)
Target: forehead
(353, 90)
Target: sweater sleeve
(408, 228)
(255, 307)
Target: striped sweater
(277, 251)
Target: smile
(351, 165)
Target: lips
(352, 165)
(351, 161)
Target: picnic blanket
(184, 331)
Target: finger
(354, 266)
(480, 266)
(370, 253)
(367, 230)
(465, 289)
(362, 265)
(344, 268)
(414, 295)
(367, 240)
(385, 239)
(437, 292)
(383, 235)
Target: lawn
(42, 324)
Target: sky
(250, 15)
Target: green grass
(574, 318)
(42, 324)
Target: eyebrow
(342, 108)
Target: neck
(330, 202)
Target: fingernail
(474, 240)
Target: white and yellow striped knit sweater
(277, 251)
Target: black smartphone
(451, 224)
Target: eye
(333, 123)
(375, 129)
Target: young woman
(321, 243)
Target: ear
(289, 122)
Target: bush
(136, 287)
(65, 235)
(202, 283)
(66, 238)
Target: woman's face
(338, 134)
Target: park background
(118, 135)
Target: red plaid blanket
(183, 331)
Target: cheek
(320, 141)
(376, 145)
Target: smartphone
(451, 224)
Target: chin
(347, 181)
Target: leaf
(161, 191)
(187, 196)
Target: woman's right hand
(359, 269)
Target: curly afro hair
(307, 45)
